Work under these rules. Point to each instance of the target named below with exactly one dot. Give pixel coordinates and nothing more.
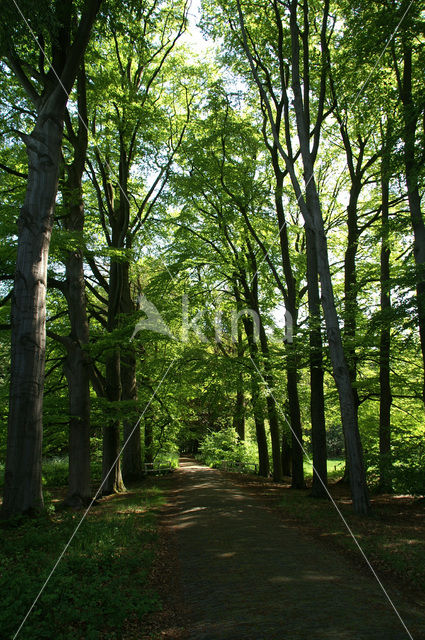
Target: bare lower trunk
(76, 366)
(295, 420)
(341, 374)
(111, 464)
(412, 180)
(260, 431)
(271, 403)
(296, 459)
(132, 454)
(239, 415)
(79, 490)
(22, 490)
(286, 455)
(385, 396)
(111, 467)
(317, 398)
(311, 210)
(148, 457)
(350, 285)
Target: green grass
(335, 468)
(392, 536)
(55, 471)
(99, 587)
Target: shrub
(224, 445)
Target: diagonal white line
(107, 165)
(366, 82)
(92, 502)
(362, 88)
(338, 510)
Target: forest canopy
(214, 246)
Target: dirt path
(245, 575)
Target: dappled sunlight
(242, 563)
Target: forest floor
(239, 560)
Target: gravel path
(245, 575)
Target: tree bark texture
(410, 115)
(385, 396)
(22, 491)
(317, 397)
(313, 216)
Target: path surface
(247, 576)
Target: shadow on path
(247, 576)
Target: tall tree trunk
(340, 369)
(22, 489)
(267, 372)
(111, 464)
(410, 113)
(239, 414)
(132, 454)
(286, 453)
(111, 432)
(350, 284)
(272, 413)
(148, 449)
(296, 450)
(77, 374)
(260, 431)
(317, 397)
(312, 213)
(76, 365)
(385, 396)
(297, 455)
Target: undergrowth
(392, 536)
(99, 586)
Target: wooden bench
(158, 467)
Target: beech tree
(47, 86)
(291, 66)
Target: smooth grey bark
(286, 454)
(410, 117)
(385, 395)
(148, 437)
(76, 364)
(22, 490)
(311, 211)
(317, 396)
(267, 369)
(260, 431)
(132, 454)
(239, 411)
(112, 481)
(292, 457)
(296, 450)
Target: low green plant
(99, 584)
(225, 446)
